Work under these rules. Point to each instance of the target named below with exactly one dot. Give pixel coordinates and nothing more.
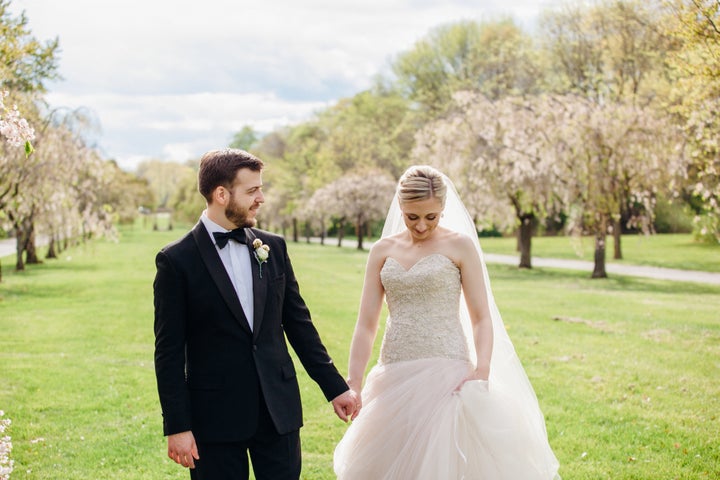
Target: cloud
(172, 78)
(179, 127)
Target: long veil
(506, 371)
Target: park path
(7, 248)
(611, 268)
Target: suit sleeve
(304, 337)
(170, 322)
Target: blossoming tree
(499, 155)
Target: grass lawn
(666, 250)
(625, 368)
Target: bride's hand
(358, 405)
(476, 374)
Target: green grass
(627, 377)
(666, 250)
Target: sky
(172, 79)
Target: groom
(225, 299)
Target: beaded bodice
(423, 302)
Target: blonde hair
(421, 182)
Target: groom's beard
(239, 216)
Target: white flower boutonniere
(262, 253)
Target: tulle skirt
(415, 425)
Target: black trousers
(273, 456)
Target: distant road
(630, 270)
(7, 248)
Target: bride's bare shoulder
(385, 246)
(458, 243)
(385, 243)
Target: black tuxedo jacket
(209, 364)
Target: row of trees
(610, 108)
(65, 190)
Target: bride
(448, 398)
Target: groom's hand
(346, 405)
(182, 449)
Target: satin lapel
(259, 284)
(218, 273)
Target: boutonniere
(262, 252)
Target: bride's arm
(473, 284)
(368, 319)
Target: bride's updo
(421, 182)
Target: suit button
(254, 348)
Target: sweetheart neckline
(406, 270)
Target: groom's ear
(220, 195)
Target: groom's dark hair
(218, 168)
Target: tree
(373, 129)
(607, 154)
(186, 201)
(611, 51)
(605, 51)
(499, 155)
(164, 179)
(493, 58)
(25, 63)
(695, 24)
(244, 139)
(361, 197)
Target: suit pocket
(288, 371)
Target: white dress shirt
(236, 259)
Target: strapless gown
(414, 424)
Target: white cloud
(173, 78)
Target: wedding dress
(414, 423)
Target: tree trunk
(20, 243)
(617, 236)
(295, 229)
(359, 232)
(599, 271)
(31, 256)
(525, 233)
(322, 230)
(341, 232)
(51, 253)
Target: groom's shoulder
(180, 245)
(268, 237)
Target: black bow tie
(221, 238)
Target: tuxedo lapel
(259, 284)
(212, 261)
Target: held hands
(347, 405)
(182, 449)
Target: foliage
(164, 179)
(500, 165)
(244, 139)
(358, 197)
(696, 99)
(493, 58)
(373, 129)
(607, 50)
(14, 127)
(25, 63)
